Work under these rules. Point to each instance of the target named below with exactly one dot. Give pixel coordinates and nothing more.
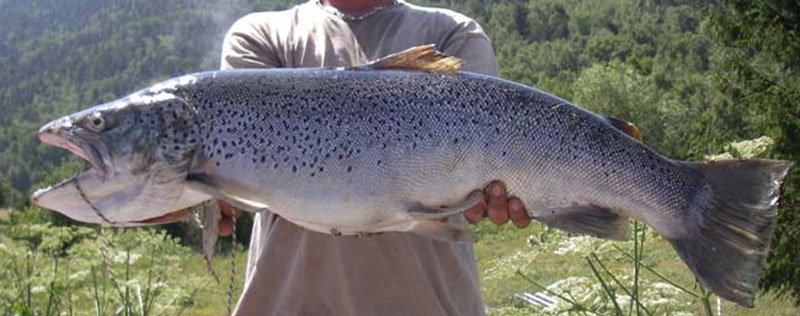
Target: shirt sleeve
(247, 45)
(471, 44)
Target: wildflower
(79, 274)
(122, 257)
(38, 289)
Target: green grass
(501, 252)
(4, 214)
(509, 261)
(212, 299)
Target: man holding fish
(368, 152)
(293, 271)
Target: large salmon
(383, 148)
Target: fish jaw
(66, 198)
(81, 197)
(89, 198)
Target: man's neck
(356, 6)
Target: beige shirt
(292, 271)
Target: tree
(758, 65)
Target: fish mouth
(67, 197)
(81, 148)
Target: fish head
(139, 150)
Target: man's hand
(226, 219)
(498, 207)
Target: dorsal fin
(625, 127)
(422, 58)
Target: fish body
(351, 150)
(364, 150)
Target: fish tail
(731, 224)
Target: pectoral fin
(585, 219)
(197, 183)
(421, 211)
(211, 217)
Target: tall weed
(50, 270)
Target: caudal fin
(732, 224)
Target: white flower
(507, 265)
(665, 288)
(122, 257)
(580, 245)
(623, 299)
(38, 289)
(78, 275)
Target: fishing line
(104, 243)
(233, 263)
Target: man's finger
(498, 203)
(476, 213)
(519, 216)
(225, 225)
(227, 209)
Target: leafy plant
(70, 271)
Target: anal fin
(585, 219)
(235, 201)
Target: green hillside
(693, 75)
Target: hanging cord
(104, 243)
(233, 265)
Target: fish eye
(96, 122)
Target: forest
(694, 76)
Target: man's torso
(292, 271)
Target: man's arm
(470, 43)
(247, 45)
